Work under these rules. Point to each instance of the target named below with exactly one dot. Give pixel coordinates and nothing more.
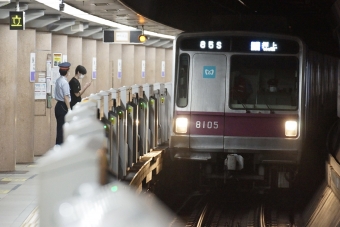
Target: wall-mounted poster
(57, 59)
(40, 91)
(94, 68)
(143, 68)
(163, 69)
(119, 75)
(32, 67)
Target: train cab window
(264, 82)
(182, 81)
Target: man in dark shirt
(75, 87)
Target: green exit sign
(17, 20)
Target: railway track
(225, 205)
(235, 212)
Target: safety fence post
(133, 115)
(148, 96)
(97, 98)
(153, 120)
(123, 148)
(104, 102)
(168, 110)
(114, 132)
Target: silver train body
(250, 101)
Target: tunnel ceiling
(315, 21)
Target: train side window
(182, 81)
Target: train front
(237, 106)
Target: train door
(208, 88)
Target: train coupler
(234, 162)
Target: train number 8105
(207, 124)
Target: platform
(18, 196)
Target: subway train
(252, 107)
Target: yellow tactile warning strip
(14, 179)
(4, 191)
(32, 220)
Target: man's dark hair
(63, 72)
(81, 69)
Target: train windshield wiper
(265, 102)
(244, 106)
(271, 111)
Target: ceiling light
(101, 4)
(111, 10)
(86, 16)
(121, 15)
(142, 38)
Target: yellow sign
(17, 20)
(57, 59)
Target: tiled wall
(42, 115)
(128, 65)
(8, 94)
(160, 58)
(103, 80)
(115, 56)
(139, 57)
(150, 54)
(89, 52)
(25, 98)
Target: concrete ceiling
(316, 21)
(46, 18)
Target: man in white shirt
(63, 97)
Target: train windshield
(264, 82)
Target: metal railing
(135, 119)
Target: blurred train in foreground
(251, 105)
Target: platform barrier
(117, 135)
(136, 120)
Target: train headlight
(181, 125)
(291, 128)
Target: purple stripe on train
(257, 125)
(238, 124)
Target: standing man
(75, 87)
(62, 95)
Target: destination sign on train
(239, 44)
(263, 46)
(206, 44)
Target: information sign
(17, 20)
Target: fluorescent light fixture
(83, 15)
(70, 10)
(158, 35)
